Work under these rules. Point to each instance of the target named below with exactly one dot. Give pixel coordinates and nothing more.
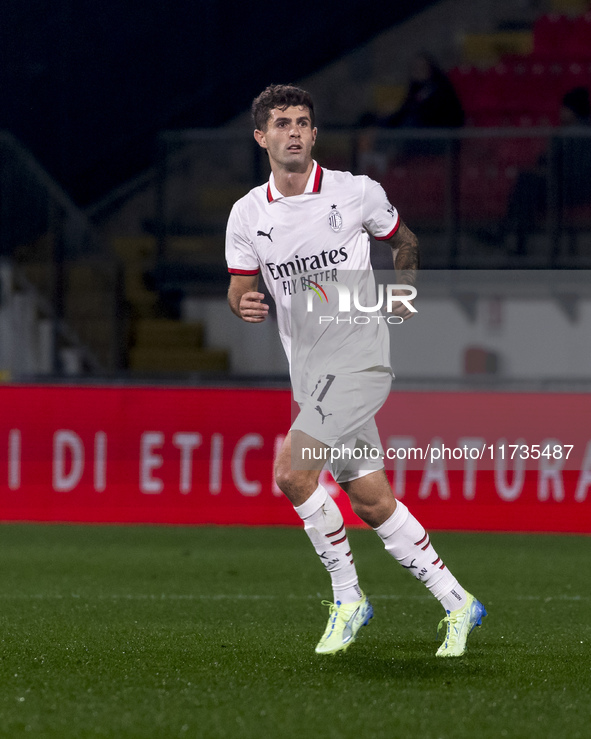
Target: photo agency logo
(387, 297)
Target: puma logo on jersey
(262, 233)
(319, 409)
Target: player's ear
(260, 138)
(314, 134)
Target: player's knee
(362, 509)
(284, 476)
(373, 512)
(295, 484)
(287, 480)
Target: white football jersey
(304, 245)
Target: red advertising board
(463, 461)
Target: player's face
(289, 138)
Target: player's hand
(252, 309)
(399, 308)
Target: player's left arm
(406, 256)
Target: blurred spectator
(431, 102)
(431, 99)
(568, 161)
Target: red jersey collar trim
(314, 184)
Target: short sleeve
(240, 255)
(379, 217)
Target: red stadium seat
(526, 91)
(468, 82)
(489, 119)
(517, 152)
(512, 85)
(482, 93)
(418, 189)
(484, 191)
(487, 173)
(580, 38)
(542, 88)
(575, 74)
(499, 84)
(552, 37)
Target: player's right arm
(245, 300)
(243, 294)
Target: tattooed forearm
(405, 249)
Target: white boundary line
(242, 597)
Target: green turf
(210, 632)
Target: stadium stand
(512, 85)
(522, 89)
(158, 343)
(525, 86)
(512, 76)
(57, 256)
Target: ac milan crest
(335, 219)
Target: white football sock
(325, 527)
(409, 543)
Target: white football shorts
(339, 412)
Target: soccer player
(307, 230)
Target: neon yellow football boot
(344, 622)
(460, 624)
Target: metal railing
(55, 252)
(479, 198)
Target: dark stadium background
(87, 85)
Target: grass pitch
(210, 632)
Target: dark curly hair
(281, 97)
